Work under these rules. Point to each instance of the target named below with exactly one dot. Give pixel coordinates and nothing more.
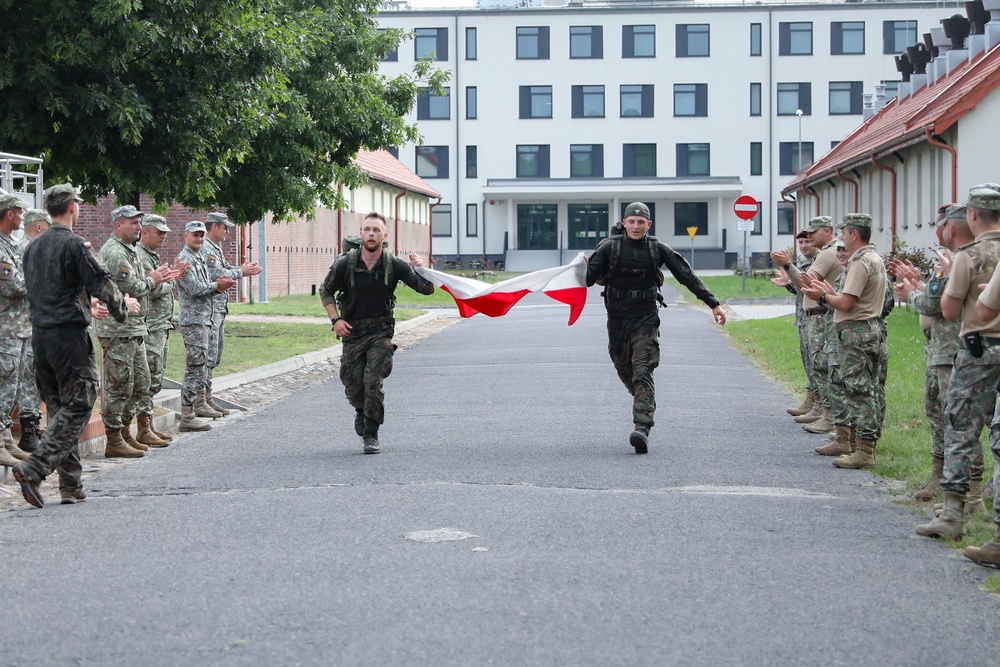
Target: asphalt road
(273, 540)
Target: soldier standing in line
(195, 293)
(845, 432)
(15, 327)
(159, 322)
(952, 231)
(125, 369)
(35, 222)
(808, 253)
(218, 226)
(971, 397)
(63, 275)
(824, 267)
(358, 294)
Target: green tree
(256, 105)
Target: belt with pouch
(818, 310)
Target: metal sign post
(746, 209)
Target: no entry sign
(745, 207)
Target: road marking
(766, 491)
(439, 535)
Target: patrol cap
(219, 217)
(856, 220)
(156, 222)
(802, 234)
(127, 211)
(10, 201)
(985, 197)
(840, 245)
(34, 215)
(194, 226)
(60, 195)
(957, 212)
(818, 223)
(637, 208)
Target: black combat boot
(640, 439)
(31, 435)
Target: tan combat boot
(933, 486)
(7, 459)
(806, 405)
(862, 457)
(988, 554)
(203, 409)
(212, 404)
(118, 448)
(144, 432)
(129, 440)
(974, 498)
(852, 443)
(815, 412)
(841, 443)
(12, 449)
(165, 437)
(951, 522)
(188, 421)
(822, 425)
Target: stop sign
(745, 207)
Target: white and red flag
(566, 284)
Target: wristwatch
(334, 320)
(787, 266)
(822, 299)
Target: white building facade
(556, 118)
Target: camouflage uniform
(837, 396)
(802, 322)
(29, 404)
(123, 350)
(217, 265)
(194, 293)
(159, 322)
(17, 376)
(62, 273)
(825, 265)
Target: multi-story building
(555, 118)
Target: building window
(795, 39)
(471, 103)
(441, 220)
(588, 101)
(586, 41)
(588, 225)
(533, 161)
(897, 35)
(471, 44)
(471, 220)
(471, 162)
(794, 96)
(536, 102)
(533, 43)
(891, 89)
(586, 161)
(432, 161)
(693, 160)
(756, 158)
(755, 39)
(786, 217)
(690, 99)
(690, 214)
(537, 226)
(693, 41)
(758, 221)
(433, 107)
(428, 41)
(845, 98)
(789, 163)
(390, 56)
(847, 38)
(638, 160)
(638, 41)
(755, 99)
(637, 101)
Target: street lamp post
(798, 167)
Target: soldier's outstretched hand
(250, 268)
(132, 304)
(223, 283)
(416, 260)
(944, 257)
(182, 268)
(780, 257)
(719, 315)
(163, 273)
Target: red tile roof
(383, 166)
(899, 124)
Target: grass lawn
(726, 288)
(904, 451)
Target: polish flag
(566, 284)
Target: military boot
(841, 443)
(815, 412)
(129, 440)
(862, 457)
(822, 425)
(806, 405)
(7, 459)
(639, 439)
(188, 421)
(144, 432)
(371, 443)
(72, 496)
(165, 437)
(951, 522)
(988, 554)
(11, 448)
(116, 448)
(203, 409)
(933, 486)
(212, 404)
(974, 498)
(31, 435)
(359, 422)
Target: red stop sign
(745, 207)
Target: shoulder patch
(212, 260)
(86, 244)
(124, 271)
(6, 270)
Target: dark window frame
(630, 155)
(541, 46)
(788, 151)
(645, 93)
(441, 153)
(684, 155)
(756, 158)
(596, 48)
(471, 45)
(785, 42)
(837, 33)
(700, 94)
(425, 104)
(856, 92)
(580, 95)
(543, 161)
(471, 161)
(683, 210)
(756, 39)
(596, 155)
(629, 40)
(683, 32)
(440, 38)
(756, 98)
(803, 91)
(441, 210)
(890, 39)
(527, 95)
(471, 103)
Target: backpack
(352, 250)
(616, 252)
